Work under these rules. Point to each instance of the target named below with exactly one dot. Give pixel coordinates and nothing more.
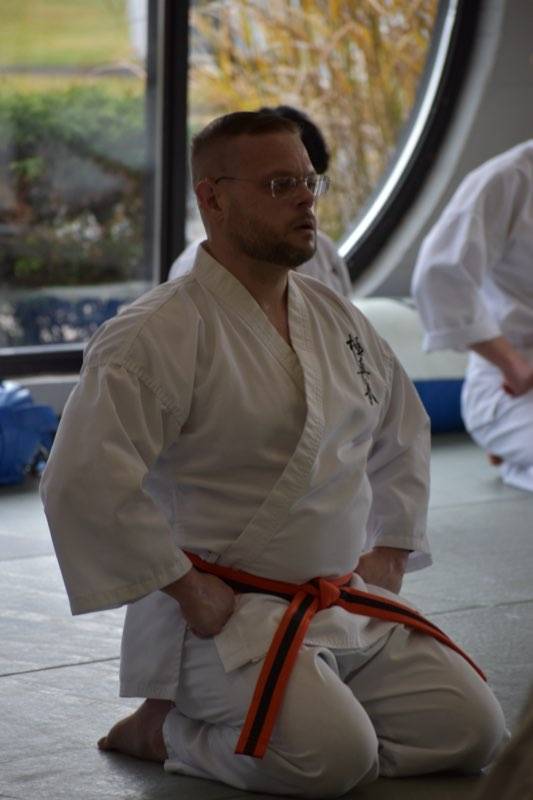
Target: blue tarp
(26, 433)
(442, 401)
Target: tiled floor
(58, 675)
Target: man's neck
(266, 282)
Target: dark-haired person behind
(240, 440)
(325, 264)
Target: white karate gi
(473, 281)
(326, 265)
(196, 426)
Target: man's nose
(304, 194)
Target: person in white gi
(325, 264)
(473, 285)
(252, 416)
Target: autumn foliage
(353, 65)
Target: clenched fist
(383, 566)
(206, 602)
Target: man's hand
(517, 372)
(206, 602)
(518, 379)
(383, 566)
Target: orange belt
(305, 600)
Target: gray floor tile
(437, 788)
(500, 640)
(36, 627)
(15, 545)
(49, 742)
(482, 553)
(461, 473)
(21, 510)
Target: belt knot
(328, 593)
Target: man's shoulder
(162, 315)
(506, 166)
(315, 290)
(185, 261)
(339, 309)
(520, 154)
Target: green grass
(64, 33)
(42, 84)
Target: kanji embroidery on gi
(358, 352)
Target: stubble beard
(264, 245)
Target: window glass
(74, 167)
(354, 66)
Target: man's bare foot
(141, 734)
(496, 461)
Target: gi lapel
(294, 480)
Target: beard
(261, 243)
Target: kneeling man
(241, 440)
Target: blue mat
(26, 433)
(442, 401)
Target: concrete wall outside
(50, 390)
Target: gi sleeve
(454, 261)
(112, 543)
(398, 471)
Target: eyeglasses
(286, 187)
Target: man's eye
(282, 185)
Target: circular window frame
(443, 79)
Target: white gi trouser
(406, 706)
(500, 423)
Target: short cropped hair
(310, 133)
(222, 129)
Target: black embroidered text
(358, 352)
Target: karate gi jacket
(195, 426)
(473, 279)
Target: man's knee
(490, 735)
(354, 762)
(324, 733)
(481, 718)
(329, 762)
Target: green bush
(72, 204)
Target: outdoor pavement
(58, 675)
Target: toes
(103, 743)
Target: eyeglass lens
(317, 184)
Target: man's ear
(207, 196)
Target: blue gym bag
(26, 433)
